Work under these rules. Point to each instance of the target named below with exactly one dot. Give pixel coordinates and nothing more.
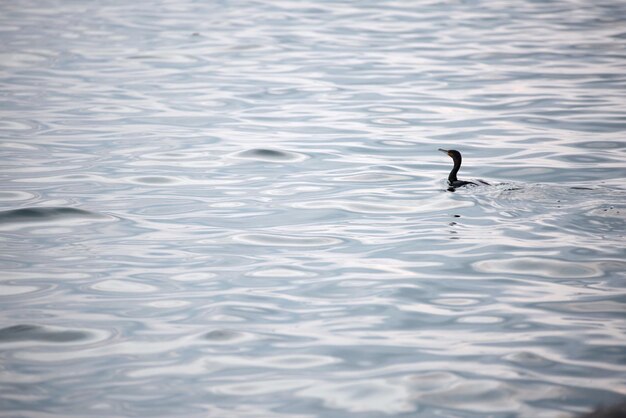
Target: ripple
(260, 388)
(224, 336)
(287, 240)
(167, 304)
(456, 301)
(299, 361)
(384, 109)
(154, 180)
(21, 60)
(590, 307)
(373, 396)
(371, 178)
(542, 267)
(603, 145)
(271, 155)
(484, 396)
(193, 276)
(482, 319)
(382, 208)
(18, 218)
(529, 359)
(15, 196)
(281, 272)
(359, 207)
(26, 332)
(123, 286)
(113, 109)
(390, 121)
(12, 290)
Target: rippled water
(238, 209)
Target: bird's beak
(443, 150)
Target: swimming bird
(452, 180)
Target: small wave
(154, 180)
(226, 336)
(287, 241)
(17, 218)
(26, 332)
(270, 155)
(539, 267)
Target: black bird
(452, 180)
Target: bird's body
(453, 181)
(461, 183)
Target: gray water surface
(238, 209)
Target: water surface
(238, 209)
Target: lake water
(237, 208)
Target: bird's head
(454, 154)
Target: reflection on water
(238, 208)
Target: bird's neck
(457, 165)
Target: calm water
(238, 209)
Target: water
(238, 209)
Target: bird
(453, 181)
